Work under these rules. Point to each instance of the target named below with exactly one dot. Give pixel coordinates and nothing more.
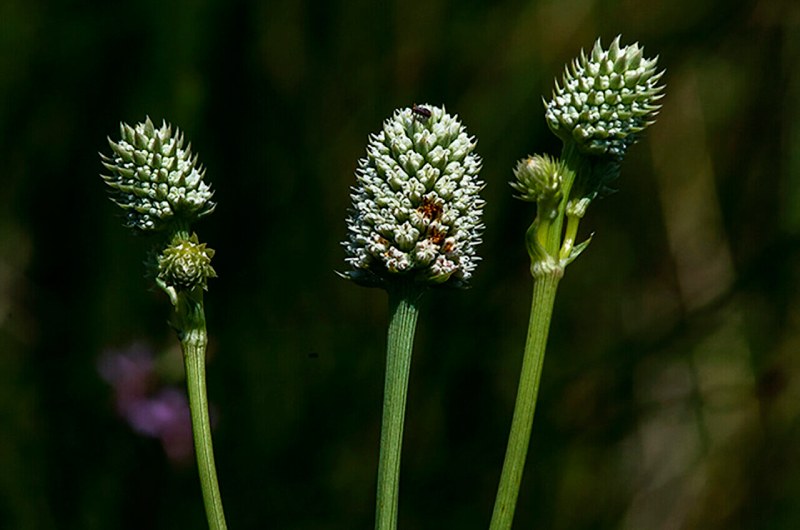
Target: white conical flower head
(416, 211)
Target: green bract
(606, 99)
(185, 264)
(416, 211)
(155, 179)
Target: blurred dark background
(671, 391)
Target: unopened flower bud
(186, 264)
(539, 179)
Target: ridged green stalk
(544, 295)
(194, 340)
(403, 311)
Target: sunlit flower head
(416, 210)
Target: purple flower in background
(165, 416)
(131, 372)
(150, 407)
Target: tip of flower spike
(613, 50)
(149, 129)
(416, 208)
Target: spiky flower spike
(606, 100)
(416, 210)
(155, 179)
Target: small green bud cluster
(186, 263)
(159, 184)
(155, 179)
(606, 99)
(539, 179)
(416, 210)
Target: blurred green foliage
(671, 391)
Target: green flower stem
(192, 331)
(544, 294)
(546, 277)
(403, 322)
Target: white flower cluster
(416, 209)
(606, 99)
(155, 179)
